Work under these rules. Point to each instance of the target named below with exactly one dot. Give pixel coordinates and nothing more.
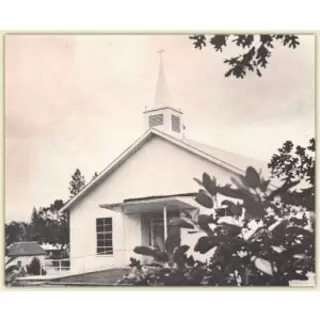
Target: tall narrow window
(104, 236)
(156, 120)
(175, 123)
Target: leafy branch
(257, 50)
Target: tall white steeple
(163, 116)
(162, 96)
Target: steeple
(163, 116)
(162, 96)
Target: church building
(131, 201)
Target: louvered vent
(156, 120)
(175, 123)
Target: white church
(131, 201)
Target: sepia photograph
(158, 160)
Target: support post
(165, 226)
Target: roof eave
(26, 255)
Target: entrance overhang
(153, 204)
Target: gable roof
(232, 162)
(238, 161)
(18, 249)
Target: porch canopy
(155, 204)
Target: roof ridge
(206, 153)
(238, 168)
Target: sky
(77, 101)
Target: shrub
(34, 267)
(255, 238)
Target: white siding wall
(158, 168)
(83, 238)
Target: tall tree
(257, 50)
(34, 215)
(61, 221)
(77, 183)
(38, 226)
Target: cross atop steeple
(162, 96)
(161, 51)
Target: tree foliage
(46, 225)
(77, 183)
(296, 161)
(55, 224)
(16, 232)
(257, 50)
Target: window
(175, 123)
(104, 236)
(156, 120)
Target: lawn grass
(105, 277)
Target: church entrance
(159, 228)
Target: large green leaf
(264, 265)
(235, 209)
(204, 221)
(301, 248)
(203, 199)
(145, 251)
(231, 192)
(252, 178)
(256, 234)
(264, 185)
(181, 222)
(231, 229)
(162, 256)
(279, 230)
(299, 231)
(239, 184)
(206, 243)
(243, 180)
(209, 184)
(253, 209)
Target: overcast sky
(77, 102)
